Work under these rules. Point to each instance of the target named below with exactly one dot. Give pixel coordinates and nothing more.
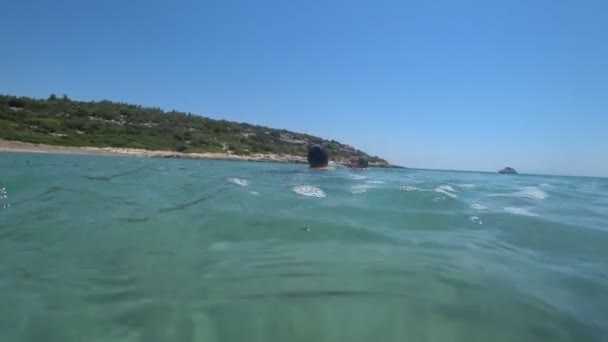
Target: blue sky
(472, 85)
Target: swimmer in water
(318, 157)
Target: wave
(465, 186)
(4, 198)
(478, 206)
(309, 190)
(446, 190)
(475, 219)
(186, 205)
(375, 182)
(359, 189)
(529, 192)
(116, 175)
(408, 188)
(237, 181)
(520, 211)
(532, 192)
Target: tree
(106, 123)
(16, 103)
(178, 136)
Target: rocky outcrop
(508, 170)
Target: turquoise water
(132, 249)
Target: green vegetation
(61, 121)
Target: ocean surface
(132, 249)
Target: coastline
(24, 147)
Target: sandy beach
(23, 147)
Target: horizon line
(496, 172)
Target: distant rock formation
(508, 170)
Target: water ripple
(116, 175)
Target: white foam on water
(475, 219)
(498, 195)
(519, 211)
(3, 198)
(532, 192)
(358, 177)
(309, 190)
(546, 185)
(255, 193)
(446, 190)
(359, 189)
(408, 188)
(477, 206)
(237, 181)
(375, 182)
(465, 186)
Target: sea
(104, 248)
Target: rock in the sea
(508, 170)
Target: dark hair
(317, 156)
(362, 162)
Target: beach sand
(23, 147)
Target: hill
(65, 122)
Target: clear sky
(474, 85)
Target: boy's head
(317, 156)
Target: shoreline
(24, 147)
